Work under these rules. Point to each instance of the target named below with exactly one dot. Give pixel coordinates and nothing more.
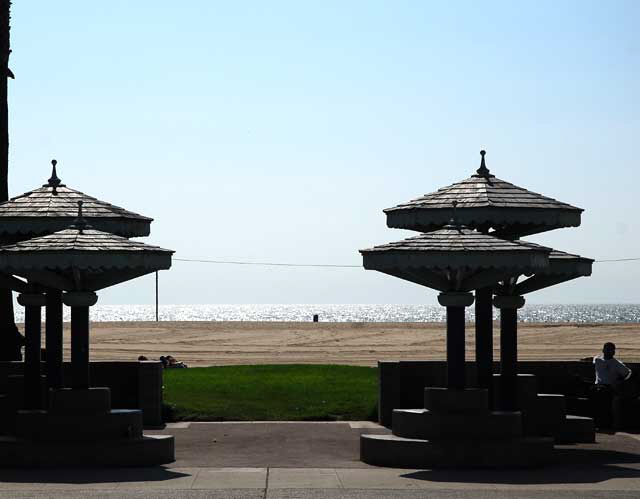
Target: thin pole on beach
(157, 296)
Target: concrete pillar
(455, 303)
(32, 303)
(484, 337)
(79, 301)
(508, 306)
(53, 328)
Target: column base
(81, 429)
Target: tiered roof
(485, 202)
(81, 258)
(53, 207)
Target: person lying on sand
(170, 362)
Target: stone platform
(80, 429)
(456, 428)
(545, 414)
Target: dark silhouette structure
(480, 250)
(59, 425)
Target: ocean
(628, 313)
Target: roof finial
(80, 223)
(483, 171)
(54, 181)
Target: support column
(32, 303)
(508, 306)
(484, 337)
(53, 328)
(455, 303)
(79, 301)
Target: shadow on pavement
(87, 475)
(571, 466)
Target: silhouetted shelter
(78, 260)
(491, 206)
(53, 207)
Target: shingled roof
(457, 238)
(81, 240)
(485, 201)
(456, 258)
(53, 207)
(562, 267)
(81, 258)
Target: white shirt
(610, 371)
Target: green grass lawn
(271, 393)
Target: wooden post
(32, 304)
(508, 306)
(80, 347)
(79, 302)
(484, 337)
(53, 328)
(455, 348)
(157, 316)
(455, 303)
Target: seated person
(609, 370)
(610, 374)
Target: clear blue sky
(278, 131)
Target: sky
(278, 131)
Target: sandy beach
(226, 343)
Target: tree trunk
(10, 338)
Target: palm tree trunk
(10, 338)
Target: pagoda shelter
(50, 208)
(456, 426)
(78, 260)
(491, 206)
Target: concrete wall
(401, 383)
(134, 385)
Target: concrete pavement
(320, 461)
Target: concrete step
(546, 416)
(145, 451)
(426, 424)
(394, 451)
(449, 400)
(576, 429)
(75, 426)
